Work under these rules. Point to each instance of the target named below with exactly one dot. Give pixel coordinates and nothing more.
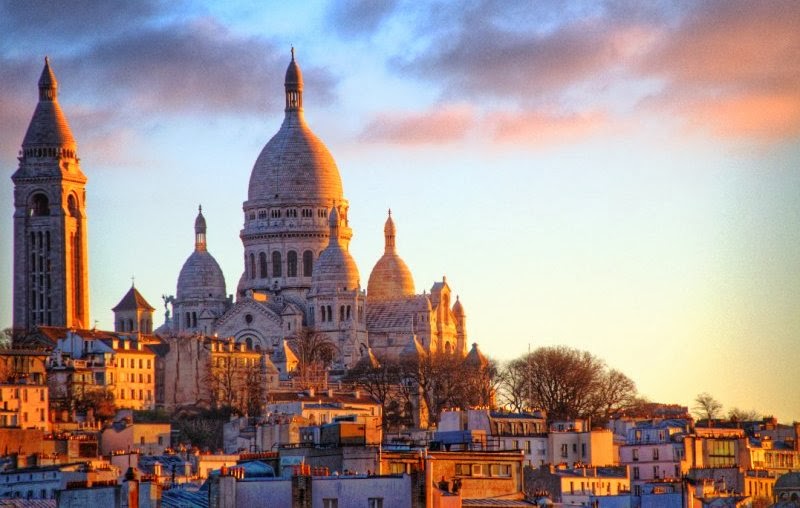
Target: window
(40, 205)
(463, 470)
(655, 453)
(399, 468)
(252, 266)
(478, 469)
(308, 262)
(375, 502)
(564, 450)
(330, 502)
(583, 449)
(655, 471)
(575, 448)
(635, 454)
(501, 470)
(262, 265)
(527, 447)
(291, 264)
(262, 214)
(276, 264)
(635, 472)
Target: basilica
(298, 275)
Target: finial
(133, 281)
(390, 212)
(199, 208)
(292, 53)
(46, 60)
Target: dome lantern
(200, 230)
(294, 86)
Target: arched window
(130, 325)
(348, 313)
(262, 264)
(322, 312)
(249, 342)
(308, 263)
(330, 313)
(252, 266)
(341, 313)
(72, 206)
(40, 205)
(276, 264)
(291, 264)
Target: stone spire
(294, 87)
(200, 230)
(389, 232)
(48, 133)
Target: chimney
(796, 426)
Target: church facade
(298, 275)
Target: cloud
(729, 67)
(732, 67)
(56, 23)
(122, 75)
(440, 125)
(359, 17)
(197, 66)
(540, 127)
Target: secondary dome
(201, 277)
(335, 270)
(390, 278)
(295, 166)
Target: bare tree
(565, 383)
(383, 381)
(706, 407)
(315, 353)
(444, 380)
(741, 415)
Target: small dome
(335, 270)
(201, 277)
(458, 309)
(391, 278)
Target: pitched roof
(133, 300)
(396, 314)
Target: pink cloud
(440, 125)
(732, 67)
(538, 127)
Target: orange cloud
(441, 125)
(537, 127)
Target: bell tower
(51, 275)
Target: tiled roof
(133, 300)
(395, 314)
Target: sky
(620, 177)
